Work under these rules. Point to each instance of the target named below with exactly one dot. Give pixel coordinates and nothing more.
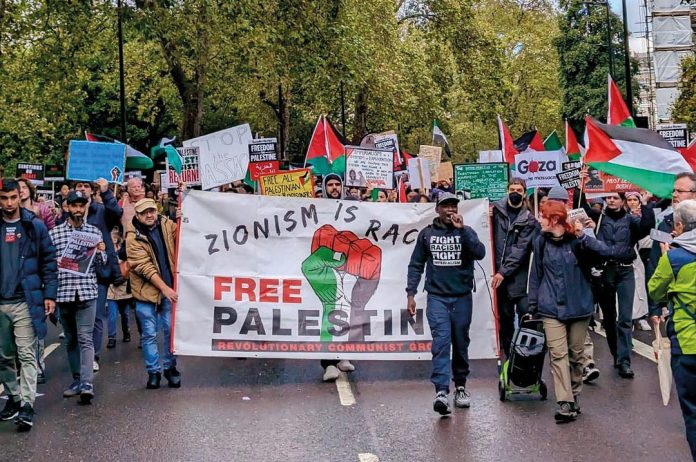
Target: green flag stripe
(659, 183)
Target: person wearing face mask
(514, 228)
(619, 227)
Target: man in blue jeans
(150, 245)
(446, 250)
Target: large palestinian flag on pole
(637, 155)
(326, 153)
(507, 145)
(618, 113)
(572, 146)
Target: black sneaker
(625, 371)
(126, 338)
(173, 377)
(441, 404)
(565, 412)
(111, 343)
(86, 393)
(11, 409)
(575, 405)
(153, 380)
(40, 378)
(25, 419)
(590, 374)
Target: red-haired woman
(560, 292)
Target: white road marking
(50, 349)
(345, 392)
(367, 457)
(639, 347)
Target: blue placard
(91, 160)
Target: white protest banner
(487, 157)
(539, 168)
(190, 168)
(79, 253)
(433, 155)
(224, 155)
(281, 277)
(369, 167)
(419, 173)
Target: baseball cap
(446, 197)
(144, 204)
(75, 197)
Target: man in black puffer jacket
(619, 228)
(514, 229)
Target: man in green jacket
(674, 281)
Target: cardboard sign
(91, 160)
(676, 134)
(433, 155)
(445, 171)
(290, 183)
(487, 157)
(32, 172)
(224, 155)
(190, 168)
(569, 179)
(369, 167)
(54, 172)
(263, 157)
(476, 181)
(539, 168)
(419, 173)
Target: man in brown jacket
(150, 245)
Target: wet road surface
(279, 410)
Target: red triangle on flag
(618, 111)
(572, 146)
(600, 147)
(507, 145)
(537, 143)
(689, 154)
(325, 142)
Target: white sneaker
(643, 323)
(345, 366)
(331, 374)
(95, 366)
(61, 335)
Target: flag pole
(536, 202)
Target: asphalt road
(279, 410)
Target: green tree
(685, 106)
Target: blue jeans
(449, 319)
(117, 307)
(618, 281)
(684, 372)
(100, 319)
(153, 318)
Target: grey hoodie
(686, 241)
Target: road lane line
(345, 393)
(367, 457)
(639, 347)
(50, 349)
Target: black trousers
(507, 307)
(684, 372)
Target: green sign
(476, 181)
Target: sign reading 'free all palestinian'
(311, 278)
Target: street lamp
(122, 83)
(609, 47)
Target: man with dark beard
(514, 229)
(333, 186)
(77, 296)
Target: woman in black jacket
(560, 292)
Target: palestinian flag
(326, 153)
(440, 138)
(571, 145)
(618, 113)
(135, 160)
(689, 154)
(553, 142)
(507, 145)
(637, 155)
(402, 189)
(530, 141)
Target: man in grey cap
(446, 250)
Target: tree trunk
(360, 123)
(284, 124)
(193, 112)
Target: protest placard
(54, 172)
(388, 141)
(44, 195)
(676, 134)
(223, 155)
(289, 183)
(539, 168)
(445, 171)
(190, 168)
(130, 174)
(475, 181)
(571, 165)
(569, 179)
(263, 157)
(487, 157)
(419, 173)
(32, 172)
(433, 155)
(78, 255)
(599, 183)
(304, 278)
(162, 179)
(369, 167)
(91, 160)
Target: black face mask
(515, 199)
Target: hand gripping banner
(281, 277)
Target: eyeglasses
(682, 191)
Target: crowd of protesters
(570, 273)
